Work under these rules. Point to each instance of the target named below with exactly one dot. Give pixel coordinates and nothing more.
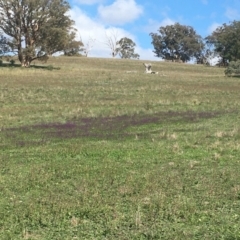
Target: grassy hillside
(89, 151)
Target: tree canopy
(233, 69)
(177, 42)
(226, 41)
(126, 48)
(4, 48)
(73, 48)
(37, 28)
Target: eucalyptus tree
(37, 28)
(73, 48)
(226, 42)
(126, 48)
(177, 43)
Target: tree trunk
(20, 54)
(24, 60)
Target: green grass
(88, 151)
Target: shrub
(1, 62)
(50, 67)
(233, 68)
(12, 62)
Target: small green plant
(12, 62)
(233, 68)
(1, 62)
(50, 67)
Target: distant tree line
(35, 29)
(182, 43)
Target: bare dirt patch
(100, 127)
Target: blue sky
(100, 20)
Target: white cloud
(167, 21)
(146, 54)
(164, 11)
(213, 27)
(89, 28)
(153, 25)
(232, 13)
(120, 12)
(88, 2)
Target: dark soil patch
(99, 128)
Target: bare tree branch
(88, 46)
(112, 42)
